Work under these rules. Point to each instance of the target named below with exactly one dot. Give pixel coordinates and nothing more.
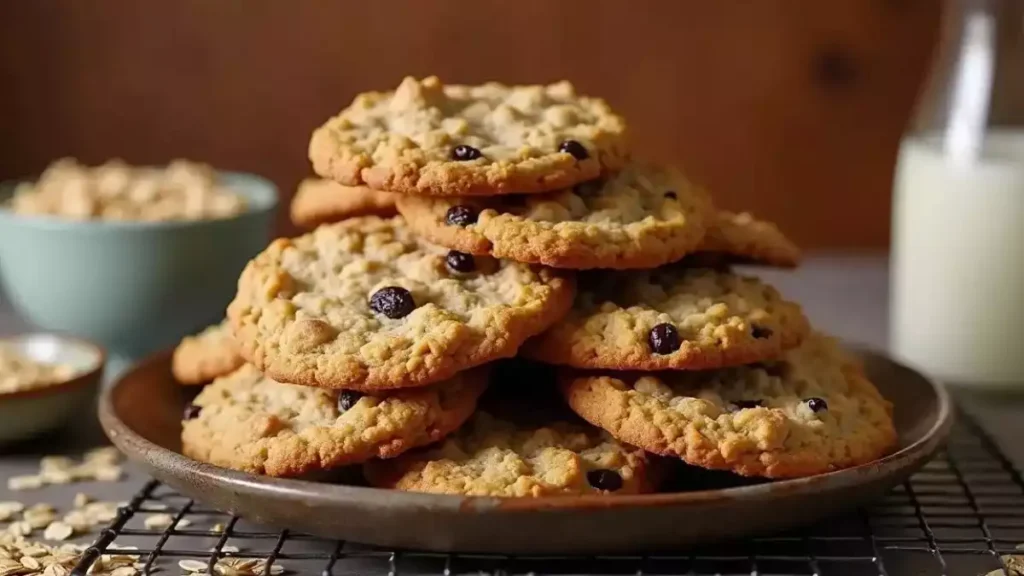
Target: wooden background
(790, 108)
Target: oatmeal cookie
(249, 422)
(643, 217)
(200, 358)
(744, 239)
(365, 304)
(811, 412)
(492, 457)
(431, 139)
(324, 201)
(674, 317)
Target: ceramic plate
(141, 415)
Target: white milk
(957, 294)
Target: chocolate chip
(573, 147)
(460, 261)
(817, 404)
(664, 339)
(460, 216)
(191, 411)
(760, 332)
(608, 480)
(670, 194)
(392, 301)
(347, 399)
(744, 404)
(463, 153)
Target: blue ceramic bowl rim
(264, 200)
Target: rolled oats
(24, 482)
(9, 509)
(100, 465)
(116, 191)
(192, 565)
(158, 521)
(58, 531)
(18, 372)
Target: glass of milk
(957, 267)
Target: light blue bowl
(134, 287)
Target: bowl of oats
(45, 379)
(131, 257)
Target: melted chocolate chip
(347, 399)
(460, 216)
(191, 411)
(760, 332)
(817, 404)
(608, 480)
(573, 147)
(463, 153)
(393, 302)
(460, 261)
(664, 339)
(671, 195)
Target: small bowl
(135, 287)
(31, 412)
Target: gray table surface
(843, 294)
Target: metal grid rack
(962, 515)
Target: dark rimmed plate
(141, 415)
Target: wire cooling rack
(962, 515)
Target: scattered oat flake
(30, 562)
(21, 528)
(39, 518)
(158, 521)
(192, 565)
(58, 531)
(217, 528)
(40, 507)
(24, 483)
(12, 568)
(81, 500)
(11, 506)
(35, 551)
(56, 477)
(108, 474)
(106, 455)
(50, 463)
(56, 570)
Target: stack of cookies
(530, 251)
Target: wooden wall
(791, 108)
